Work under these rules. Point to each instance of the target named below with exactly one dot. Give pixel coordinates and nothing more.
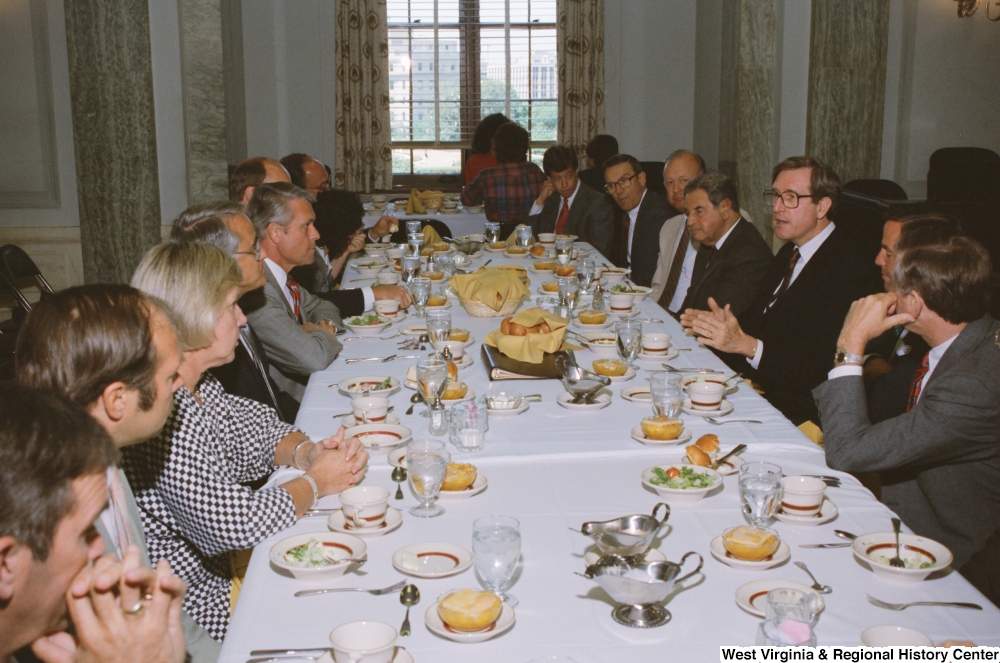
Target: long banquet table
(553, 469)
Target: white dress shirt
(806, 252)
(632, 214)
(537, 209)
(687, 268)
(282, 278)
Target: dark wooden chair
(964, 174)
(18, 267)
(399, 237)
(884, 189)
(654, 176)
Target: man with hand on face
(54, 463)
(575, 209)
(638, 224)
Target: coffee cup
(655, 343)
(365, 506)
(370, 409)
(387, 278)
(388, 307)
(363, 642)
(546, 238)
(450, 204)
(457, 349)
(620, 303)
(802, 496)
(705, 395)
(379, 198)
(395, 253)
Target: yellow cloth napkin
(415, 205)
(493, 287)
(530, 348)
(431, 236)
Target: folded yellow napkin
(493, 287)
(530, 348)
(431, 236)
(415, 205)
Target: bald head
(681, 167)
(252, 173)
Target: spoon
(822, 589)
(414, 399)
(845, 535)
(399, 476)
(409, 596)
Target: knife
(825, 545)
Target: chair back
(17, 266)
(884, 189)
(654, 176)
(964, 174)
(442, 229)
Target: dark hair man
(942, 452)
(252, 173)
(575, 210)
(306, 173)
(600, 148)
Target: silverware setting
(308, 657)
(414, 399)
(391, 589)
(833, 482)
(822, 589)
(719, 421)
(360, 359)
(399, 476)
(845, 535)
(409, 596)
(370, 338)
(670, 369)
(344, 414)
(288, 652)
(903, 606)
(824, 545)
(897, 561)
(737, 449)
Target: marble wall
(114, 134)
(847, 68)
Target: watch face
(840, 357)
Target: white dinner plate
(511, 412)
(582, 327)
(478, 486)
(503, 624)
(827, 512)
(346, 385)
(602, 401)
(725, 407)
(639, 436)
(671, 354)
(400, 315)
(337, 523)
(516, 256)
(752, 596)
(719, 552)
(442, 307)
(350, 422)
(433, 560)
(401, 656)
(624, 314)
(636, 394)
(652, 555)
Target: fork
(903, 606)
(719, 422)
(391, 589)
(896, 561)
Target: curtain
(364, 142)
(580, 48)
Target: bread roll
(517, 250)
(469, 610)
(452, 371)
(750, 544)
(708, 443)
(455, 390)
(505, 326)
(543, 327)
(592, 317)
(498, 245)
(565, 270)
(661, 428)
(459, 476)
(518, 330)
(545, 265)
(698, 457)
(550, 286)
(538, 250)
(610, 367)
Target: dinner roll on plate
(469, 610)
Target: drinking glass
(492, 232)
(426, 464)
(585, 274)
(629, 340)
(496, 547)
(445, 263)
(760, 491)
(420, 289)
(569, 291)
(666, 394)
(522, 235)
(467, 428)
(432, 376)
(410, 267)
(564, 250)
(438, 325)
(413, 227)
(415, 242)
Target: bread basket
(480, 310)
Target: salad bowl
(921, 556)
(681, 484)
(317, 556)
(366, 325)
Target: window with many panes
(451, 63)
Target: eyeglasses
(622, 184)
(789, 199)
(255, 251)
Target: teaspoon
(409, 596)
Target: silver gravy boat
(579, 382)
(628, 536)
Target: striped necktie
(917, 384)
(785, 282)
(563, 216)
(674, 277)
(293, 288)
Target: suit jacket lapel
(273, 282)
(815, 264)
(967, 341)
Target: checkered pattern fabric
(507, 191)
(187, 485)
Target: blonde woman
(187, 481)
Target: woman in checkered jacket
(187, 481)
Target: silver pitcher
(628, 536)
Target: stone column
(847, 64)
(114, 134)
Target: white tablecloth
(461, 222)
(553, 469)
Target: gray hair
(693, 155)
(270, 204)
(204, 224)
(718, 187)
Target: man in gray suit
(940, 460)
(297, 329)
(112, 351)
(677, 250)
(576, 210)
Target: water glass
(467, 427)
(420, 289)
(414, 227)
(410, 268)
(492, 232)
(564, 250)
(415, 242)
(760, 491)
(438, 325)
(585, 274)
(426, 465)
(666, 393)
(432, 377)
(445, 263)
(496, 548)
(522, 235)
(569, 291)
(629, 334)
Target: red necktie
(785, 281)
(563, 215)
(918, 381)
(715, 252)
(293, 288)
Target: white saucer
(625, 314)
(469, 395)
(350, 422)
(725, 407)
(546, 293)
(400, 315)
(492, 250)
(579, 325)
(629, 374)
(442, 307)
(337, 523)
(436, 560)
(780, 556)
(503, 624)
(671, 354)
(478, 486)
(397, 458)
(639, 436)
(826, 513)
(652, 555)
(516, 256)
(445, 210)
(602, 401)
(414, 330)
(752, 596)
(401, 656)
(731, 466)
(636, 394)
(523, 407)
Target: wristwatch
(844, 358)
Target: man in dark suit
(600, 148)
(637, 235)
(940, 459)
(733, 259)
(576, 210)
(788, 336)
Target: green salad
(681, 478)
(918, 562)
(310, 555)
(623, 288)
(365, 320)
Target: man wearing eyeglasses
(638, 226)
(786, 340)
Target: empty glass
(564, 250)
(438, 325)
(409, 268)
(467, 427)
(413, 227)
(415, 242)
(496, 547)
(492, 232)
(790, 617)
(666, 394)
(426, 465)
(760, 491)
(445, 263)
(432, 376)
(629, 334)
(569, 291)
(420, 289)
(522, 235)
(585, 274)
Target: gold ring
(139, 608)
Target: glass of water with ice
(760, 491)
(496, 548)
(426, 464)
